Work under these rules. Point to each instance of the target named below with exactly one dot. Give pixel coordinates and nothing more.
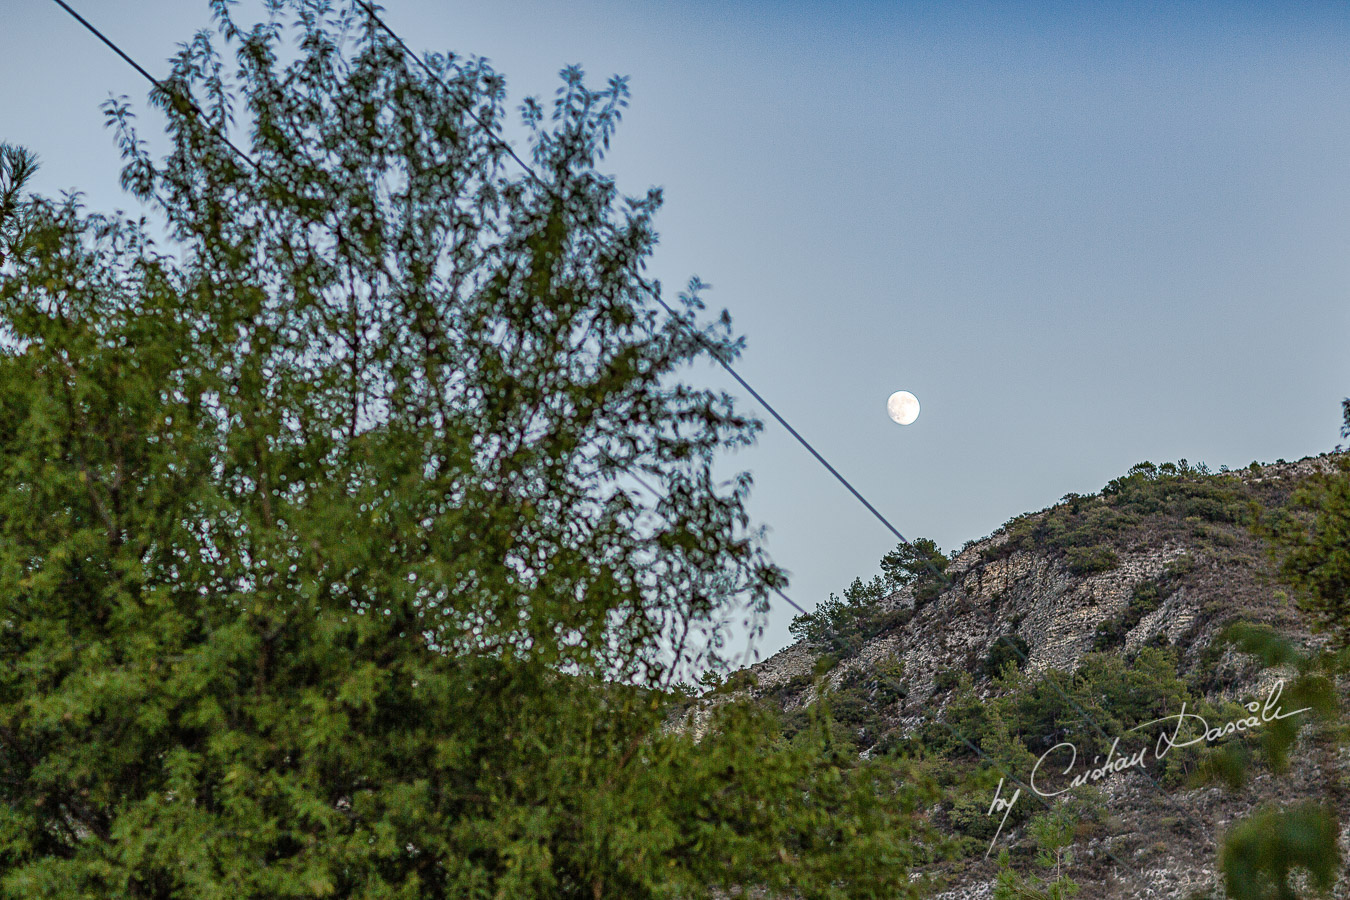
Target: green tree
(321, 572)
(840, 625)
(1006, 648)
(1313, 547)
(920, 563)
(1053, 833)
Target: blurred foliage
(1312, 544)
(1309, 683)
(323, 572)
(17, 165)
(1266, 855)
(1262, 853)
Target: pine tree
(1314, 550)
(920, 563)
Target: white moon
(903, 407)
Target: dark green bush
(859, 699)
(921, 564)
(946, 680)
(1090, 560)
(1008, 648)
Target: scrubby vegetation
(1009, 648)
(1091, 560)
(988, 717)
(840, 625)
(1088, 531)
(1111, 690)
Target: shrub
(1007, 648)
(946, 680)
(1148, 596)
(861, 695)
(1091, 560)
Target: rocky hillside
(1072, 625)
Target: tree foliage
(1262, 853)
(1313, 545)
(1053, 834)
(1006, 648)
(17, 166)
(321, 569)
(840, 625)
(920, 563)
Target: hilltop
(1069, 625)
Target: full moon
(903, 407)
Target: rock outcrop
(1158, 843)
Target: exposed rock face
(1167, 839)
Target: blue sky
(1083, 234)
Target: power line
(159, 85)
(116, 49)
(498, 141)
(384, 26)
